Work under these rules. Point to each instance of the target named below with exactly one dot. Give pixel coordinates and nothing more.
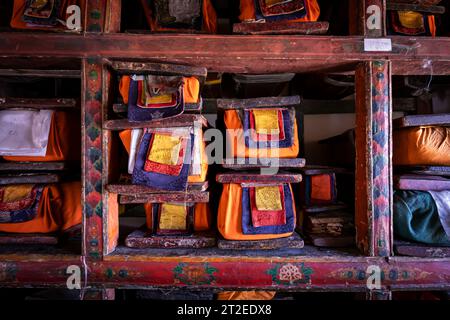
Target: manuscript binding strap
(19, 203)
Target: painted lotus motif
(194, 273)
(290, 274)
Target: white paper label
(377, 45)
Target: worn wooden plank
(421, 2)
(131, 189)
(168, 196)
(257, 163)
(404, 248)
(40, 73)
(312, 170)
(25, 178)
(158, 68)
(113, 15)
(421, 182)
(306, 28)
(183, 120)
(221, 53)
(92, 120)
(324, 208)
(29, 238)
(441, 119)
(258, 178)
(415, 7)
(188, 107)
(424, 170)
(258, 102)
(373, 199)
(36, 103)
(325, 240)
(294, 242)
(95, 16)
(33, 166)
(142, 238)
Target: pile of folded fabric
(39, 136)
(166, 159)
(422, 195)
(256, 205)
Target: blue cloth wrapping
(281, 17)
(136, 113)
(248, 228)
(158, 180)
(25, 214)
(287, 142)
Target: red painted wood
(231, 54)
(373, 202)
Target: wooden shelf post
(367, 18)
(373, 203)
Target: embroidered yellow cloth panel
(161, 99)
(16, 192)
(268, 198)
(266, 121)
(411, 19)
(165, 149)
(173, 217)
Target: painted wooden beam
(373, 202)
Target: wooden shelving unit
(108, 267)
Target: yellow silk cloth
(238, 148)
(59, 210)
(266, 121)
(268, 198)
(422, 146)
(164, 98)
(246, 295)
(247, 8)
(165, 149)
(411, 19)
(229, 216)
(202, 216)
(173, 217)
(125, 137)
(17, 192)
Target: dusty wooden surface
(183, 120)
(421, 182)
(132, 189)
(442, 119)
(25, 239)
(24, 178)
(33, 166)
(36, 103)
(158, 68)
(404, 248)
(258, 102)
(292, 242)
(254, 177)
(306, 28)
(168, 196)
(257, 163)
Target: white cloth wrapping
(24, 132)
(442, 200)
(135, 138)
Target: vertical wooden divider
(373, 203)
(367, 18)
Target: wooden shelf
(258, 163)
(27, 103)
(415, 7)
(132, 189)
(183, 120)
(229, 53)
(39, 73)
(33, 166)
(188, 107)
(257, 178)
(442, 119)
(167, 196)
(22, 178)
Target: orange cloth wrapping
(125, 136)
(229, 216)
(248, 11)
(59, 210)
(64, 141)
(321, 187)
(246, 295)
(202, 216)
(422, 146)
(191, 89)
(18, 10)
(235, 136)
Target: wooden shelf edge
(167, 196)
(258, 102)
(36, 103)
(257, 178)
(183, 120)
(130, 189)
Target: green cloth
(416, 218)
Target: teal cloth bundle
(416, 218)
